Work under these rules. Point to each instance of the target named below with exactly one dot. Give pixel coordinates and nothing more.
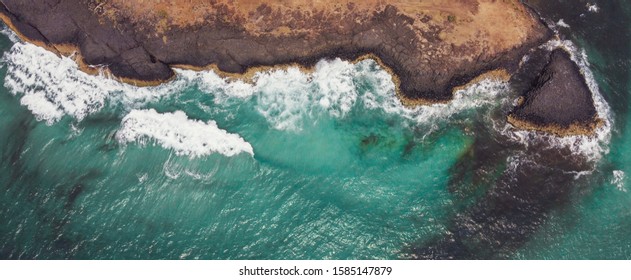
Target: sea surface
(324, 165)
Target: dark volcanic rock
(63, 22)
(559, 102)
(430, 52)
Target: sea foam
(288, 98)
(561, 23)
(176, 131)
(52, 87)
(618, 180)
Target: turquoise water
(310, 166)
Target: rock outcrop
(559, 101)
(430, 47)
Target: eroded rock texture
(431, 46)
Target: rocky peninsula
(431, 47)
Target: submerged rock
(558, 102)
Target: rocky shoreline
(430, 49)
(413, 46)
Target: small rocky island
(431, 47)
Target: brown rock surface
(431, 46)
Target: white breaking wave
(51, 86)
(333, 87)
(287, 98)
(593, 8)
(176, 131)
(618, 180)
(591, 146)
(561, 23)
(56, 90)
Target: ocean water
(327, 165)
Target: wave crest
(176, 131)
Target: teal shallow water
(326, 191)
(338, 171)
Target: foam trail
(593, 147)
(176, 131)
